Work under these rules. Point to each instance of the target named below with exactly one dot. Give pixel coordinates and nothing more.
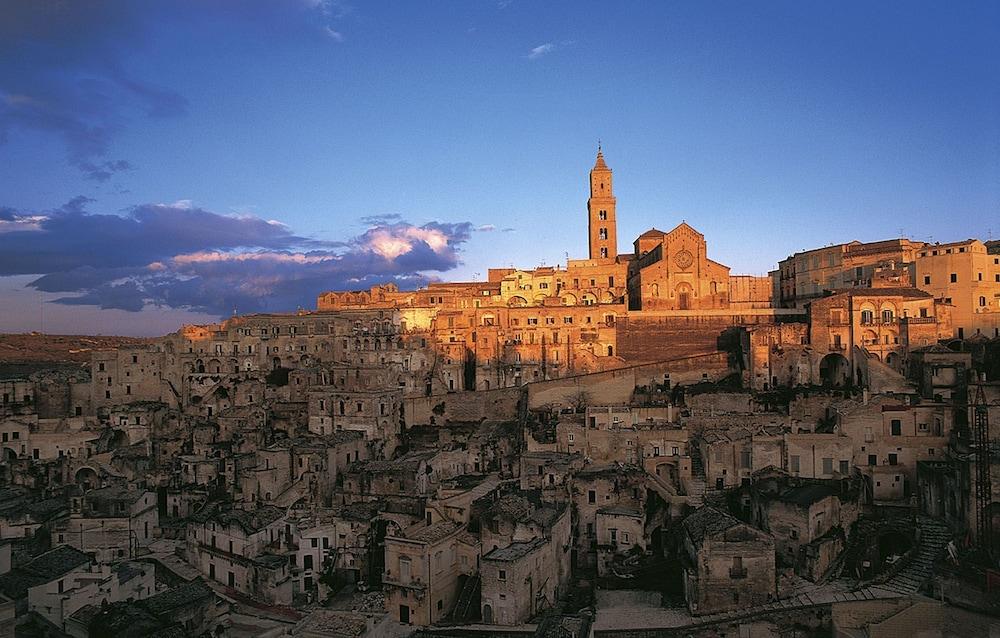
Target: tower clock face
(683, 259)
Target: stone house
(809, 523)
(598, 487)
(242, 549)
(518, 581)
(728, 563)
(110, 523)
(422, 568)
(621, 534)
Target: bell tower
(601, 212)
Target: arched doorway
(892, 360)
(684, 294)
(86, 478)
(835, 371)
(487, 614)
(9, 455)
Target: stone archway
(487, 614)
(893, 360)
(684, 294)
(835, 371)
(86, 478)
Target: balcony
(837, 346)
(415, 583)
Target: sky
(173, 162)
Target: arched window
(887, 316)
(867, 316)
(714, 288)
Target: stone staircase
(697, 486)
(466, 607)
(934, 536)
(297, 490)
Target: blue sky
(329, 144)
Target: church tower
(601, 212)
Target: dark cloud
(61, 72)
(64, 64)
(185, 257)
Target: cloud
(64, 66)
(62, 73)
(540, 50)
(181, 256)
(486, 228)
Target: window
(827, 466)
(845, 467)
(954, 277)
(867, 316)
(591, 495)
(794, 464)
(604, 252)
(502, 575)
(887, 316)
(737, 570)
(872, 459)
(603, 215)
(404, 569)
(982, 301)
(602, 233)
(745, 459)
(893, 459)
(927, 280)
(896, 427)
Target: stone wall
(493, 405)
(661, 335)
(615, 387)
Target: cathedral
(667, 270)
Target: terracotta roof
(652, 233)
(599, 164)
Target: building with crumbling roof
(728, 564)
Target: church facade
(667, 271)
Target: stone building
(422, 568)
(809, 523)
(965, 276)
(110, 523)
(672, 271)
(728, 564)
(598, 487)
(242, 549)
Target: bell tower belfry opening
(601, 212)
